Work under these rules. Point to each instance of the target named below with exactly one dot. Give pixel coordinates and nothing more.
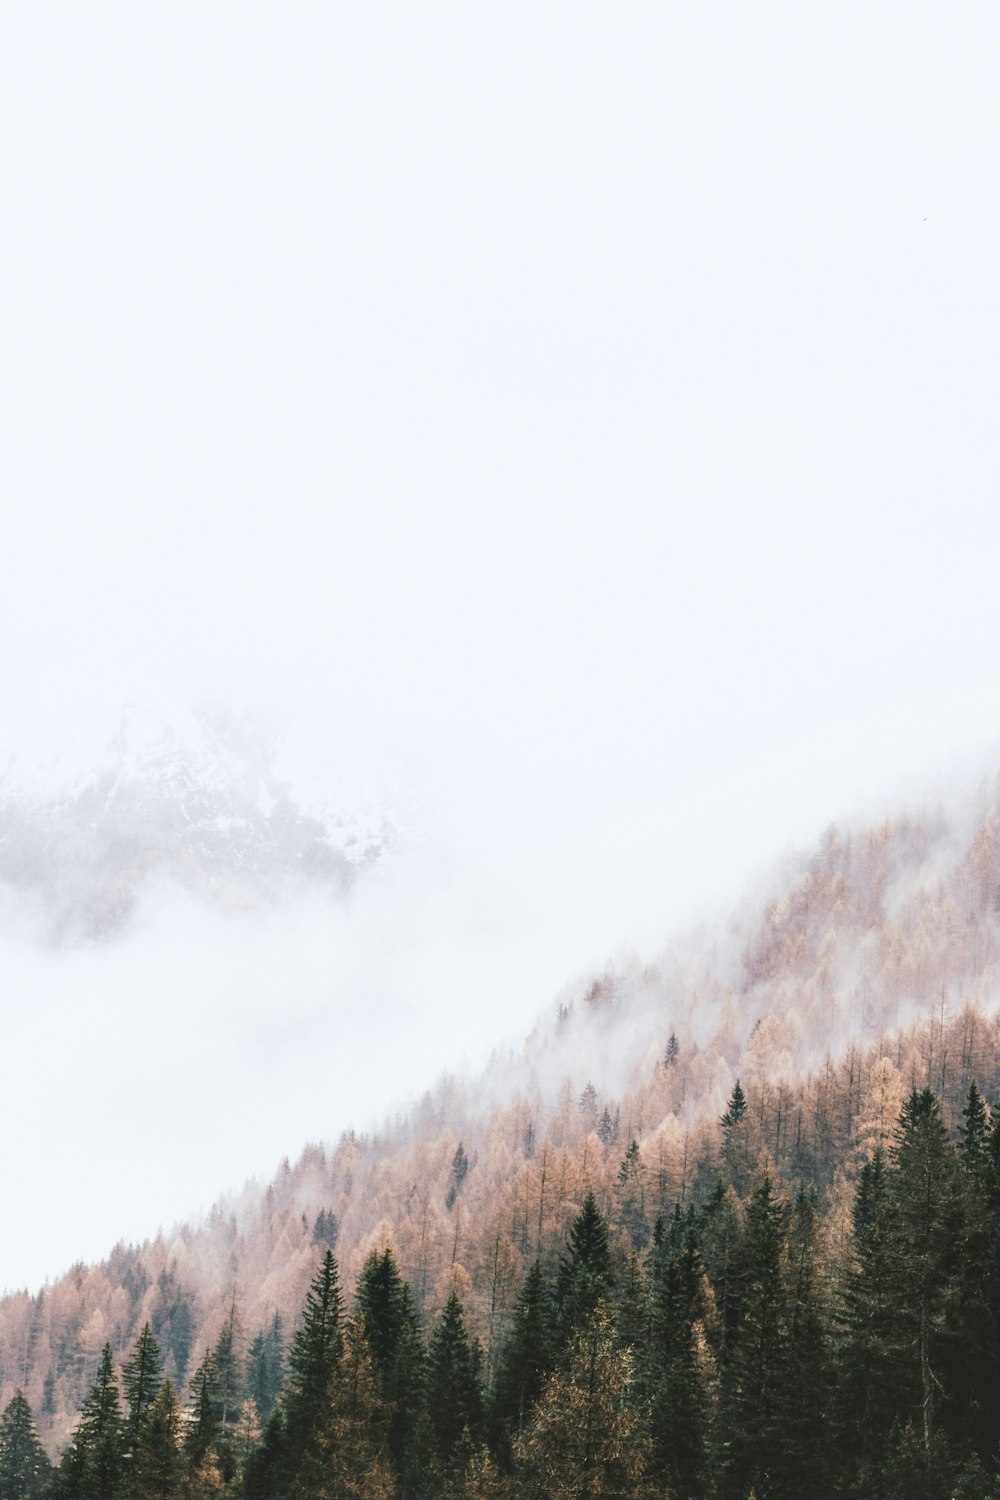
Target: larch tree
(586, 1436)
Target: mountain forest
(727, 1226)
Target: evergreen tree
(525, 1360)
(735, 1145)
(347, 1458)
(585, 1272)
(974, 1135)
(141, 1379)
(158, 1468)
(870, 1372)
(802, 1459)
(632, 1318)
(679, 1368)
(93, 1465)
(752, 1374)
(266, 1367)
(924, 1190)
(203, 1413)
(631, 1196)
(454, 1385)
(722, 1245)
(229, 1368)
(326, 1229)
(265, 1468)
(314, 1355)
(459, 1171)
(384, 1304)
(25, 1471)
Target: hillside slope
(873, 965)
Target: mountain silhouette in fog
(202, 807)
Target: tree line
(751, 1343)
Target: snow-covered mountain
(198, 801)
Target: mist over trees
(728, 1226)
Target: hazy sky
(579, 422)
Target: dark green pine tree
(384, 1306)
(203, 1412)
(454, 1391)
(632, 1320)
(735, 1154)
(974, 1320)
(266, 1466)
(230, 1389)
(722, 1244)
(229, 1368)
(525, 1360)
(141, 1379)
(585, 1275)
(677, 1379)
(315, 1353)
(924, 1189)
(158, 1470)
(631, 1198)
(266, 1367)
(25, 1471)
(750, 1387)
(802, 1458)
(974, 1135)
(93, 1465)
(870, 1365)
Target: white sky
(580, 421)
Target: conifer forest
(767, 1267)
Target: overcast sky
(578, 423)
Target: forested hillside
(726, 1225)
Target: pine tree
(802, 1460)
(326, 1229)
(158, 1469)
(229, 1368)
(141, 1379)
(631, 1196)
(679, 1371)
(752, 1375)
(722, 1245)
(974, 1135)
(384, 1304)
(347, 1458)
(525, 1360)
(735, 1146)
(924, 1191)
(266, 1367)
(203, 1413)
(585, 1273)
(459, 1171)
(870, 1365)
(263, 1476)
(454, 1384)
(93, 1465)
(314, 1355)
(25, 1471)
